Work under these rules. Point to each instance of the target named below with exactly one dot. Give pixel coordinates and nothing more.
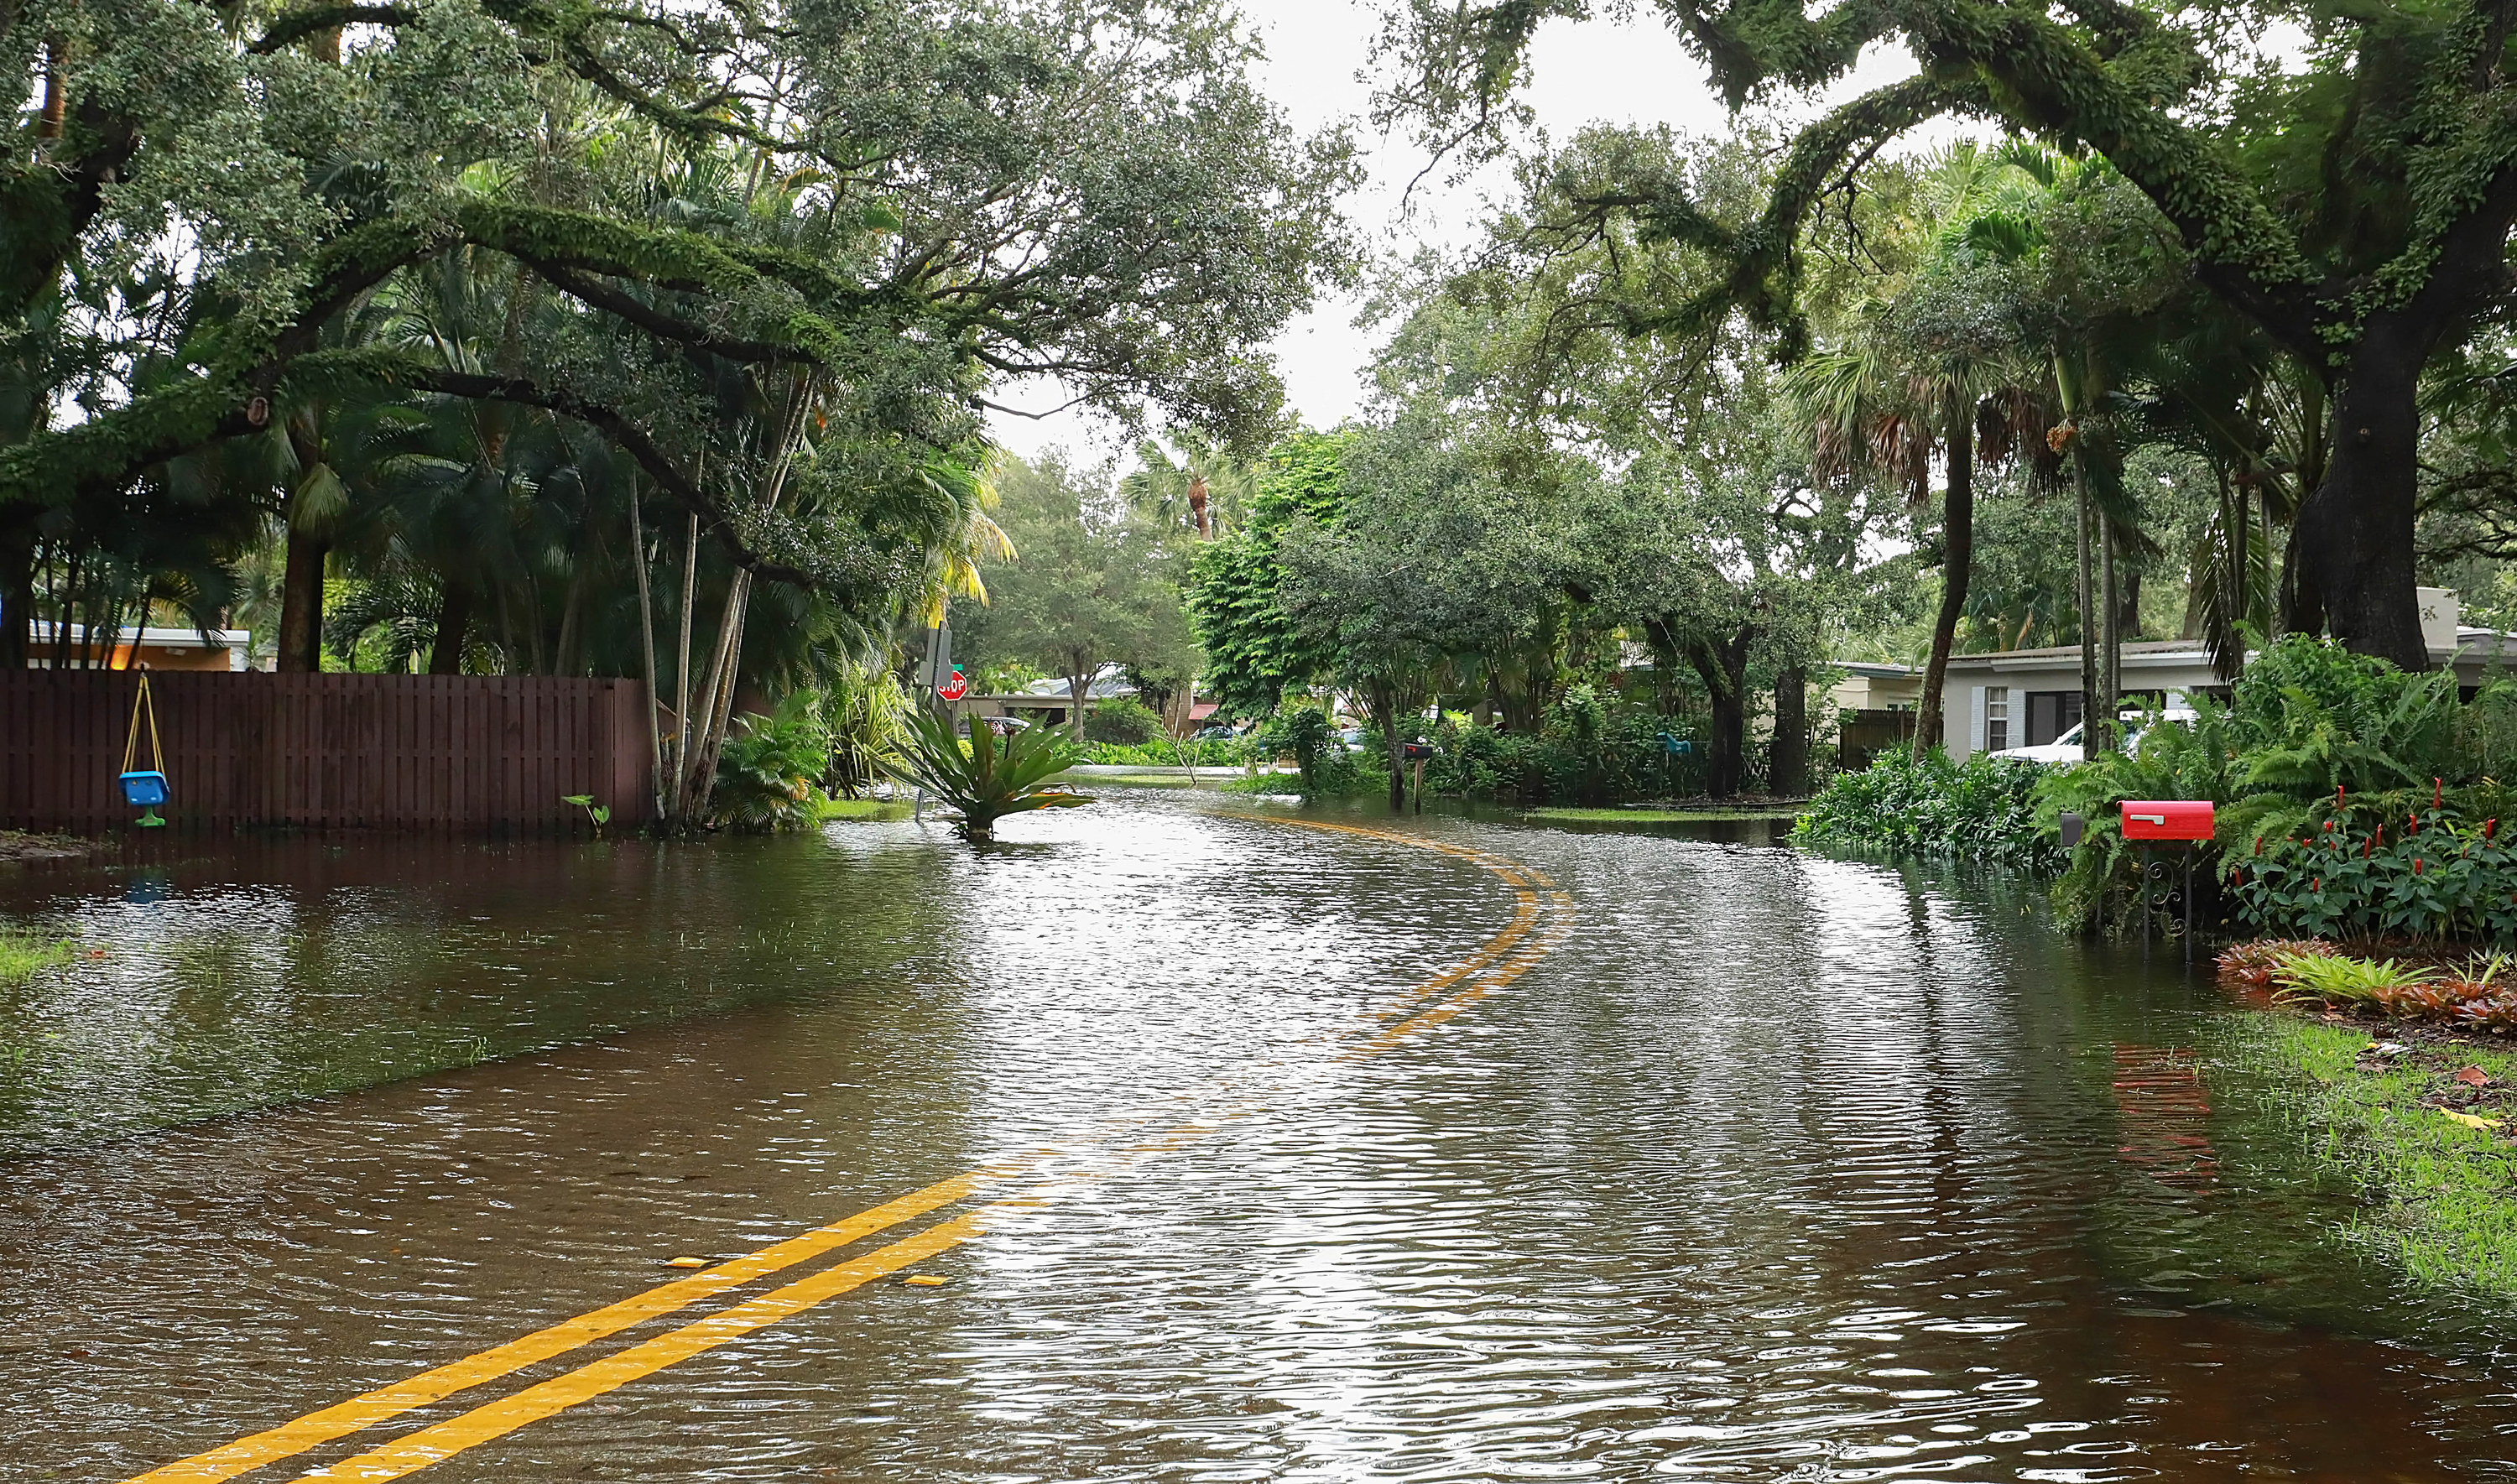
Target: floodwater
(1308, 1154)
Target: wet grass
(23, 955)
(1716, 815)
(862, 808)
(2442, 1191)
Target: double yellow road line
(1539, 921)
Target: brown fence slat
(468, 753)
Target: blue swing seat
(145, 789)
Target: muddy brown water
(1777, 1167)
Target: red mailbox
(2167, 819)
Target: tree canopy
(2355, 209)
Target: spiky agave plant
(991, 778)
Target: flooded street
(1250, 1143)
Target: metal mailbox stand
(2186, 821)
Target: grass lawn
(864, 809)
(2433, 1152)
(1663, 816)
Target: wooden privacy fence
(466, 754)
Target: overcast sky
(1597, 70)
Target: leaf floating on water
(686, 1262)
(923, 1280)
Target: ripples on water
(1781, 1167)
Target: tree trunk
(1078, 689)
(2088, 616)
(16, 592)
(2110, 637)
(453, 624)
(1787, 770)
(1385, 704)
(2353, 540)
(1957, 565)
(301, 607)
(1724, 669)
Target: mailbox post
(1417, 754)
(2185, 821)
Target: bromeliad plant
(989, 776)
(2332, 978)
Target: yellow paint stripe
(496, 1420)
(432, 1386)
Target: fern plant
(767, 778)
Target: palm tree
(1205, 491)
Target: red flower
(2438, 789)
(2260, 845)
(2416, 866)
(2489, 827)
(2315, 885)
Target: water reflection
(1782, 1167)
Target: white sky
(1580, 74)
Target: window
(2051, 714)
(1996, 717)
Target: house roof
(2150, 653)
(2144, 652)
(155, 638)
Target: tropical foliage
(1983, 810)
(769, 776)
(648, 341)
(989, 776)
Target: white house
(2026, 697)
(160, 649)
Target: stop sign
(956, 686)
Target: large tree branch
(2053, 83)
(45, 210)
(658, 324)
(1760, 260)
(624, 434)
(564, 27)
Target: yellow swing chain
(131, 745)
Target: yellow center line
(432, 1386)
(494, 1420)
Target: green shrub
(1981, 811)
(2324, 766)
(1163, 752)
(766, 776)
(2429, 878)
(867, 712)
(1122, 719)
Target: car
(1355, 739)
(1217, 732)
(2065, 749)
(1006, 726)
